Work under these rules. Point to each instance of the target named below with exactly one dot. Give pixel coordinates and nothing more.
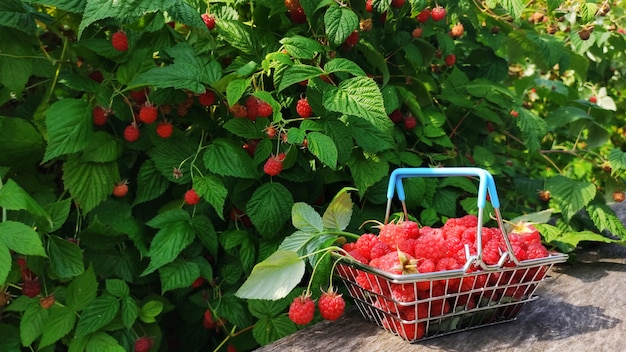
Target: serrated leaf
(323, 147)
(343, 65)
(178, 274)
(18, 15)
(205, 231)
(269, 208)
(300, 47)
(66, 258)
(297, 73)
(244, 128)
(339, 212)
(274, 277)
(150, 183)
(358, 96)
(226, 158)
(166, 158)
(212, 189)
(101, 148)
(234, 308)
(617, 158)
(130, 311)
(60, 323)
(305, 218)
(168, 243)
(70, 127)
(32, 323)
(103, 342)
(570, 195)
(129, 10)
(236, 88)
(368, 136)
(339, 22)
(240, 36)
(21, 238)
(533, 128)
(19, 139)
(82, 290)
(513, 7)
(605, 219)
(98, 313)
(89, 183)
(267, 309)
(184, 13)
(150, 311)
(58, 211)
(118, 288)
(267, 330)
(5, 262)
(367, 172)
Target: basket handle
(486, 186)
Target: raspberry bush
(178, 95)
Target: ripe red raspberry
(100, 116)
(297, 16)
(379, 249)
(231, 348)
(424, 15)
(238, 110)
(365, 243)
(143, 344)
(393, 233)
(514, 113)
(396, 262)
(132, 133)
(397, 3)
(252, 107)
(191, 197)
(148, 113)
(164, 129)
(410, 122)
(417, 32)
(408, 331)
(438, 13)
(119, 40)
(331, 304)
(593, 99)
(450, 60)
(273, 166)
(536, 250)
(302, 309)
(139, 96)
(209, 21)
(207, 320)
(264, 109)
(352, 39)
(120, 189)
(198, 282)
(303, 108)
(31, 288)
(396, 116)
(369, 7)
(432, 246)
(207, 98)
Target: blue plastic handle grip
(486, 182)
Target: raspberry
(238, 110)
(209, 21)
(457, 31)
(431, 246)
(352, 39)
(302, 309)
(139, 96)
(119, 40)
(132, 133)
(424, 15)
(491, 252)
(438, 13)
(331, 304)
(264, 109)
(379, 249)
(369, 7)
(148, 113)
(207, 320)
(271, 131)
(349, 246)
(191, 197)
(273, 166)
(536, 250)
(397, 3)
(365, 243)
(292, 5)
(396, 116)
(198, 282)
(207, 98)
(297, 16)
(408, 331)
(100, 116)
(164, 129)
(120, 189)
(358, 256)
(450, 60)
(410, 122)
(143, 344)
(303, 108)
(417, 32)
(395, 262)
(407, 246)
(31, 288)
(47, 302)
(394, 232)
(252, 108)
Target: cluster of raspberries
(402, 247)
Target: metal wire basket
(446, 302)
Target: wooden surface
(582, 309)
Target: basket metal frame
(493, 305)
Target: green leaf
(367, 171)
(343, 65)
(274, 277)
(16, 14)
(212, 189)
(66, 258)
(533, 128)
(567, 241)
(150, 311)
(296, 241)
(82, 290)
(323, 147)
(89, 183)
(130, 311)
(21, 238)
(19, 139)
(184, 13)
(70, 127)
(605, 219)
(359, 96)
(368, 136)
(267, 330)
(236, 88)
(166, 158)
(98, 313)
(269, 208)
(205, 231)
(118, 288)
(298, 73)
(9, 338)
(513, 7)
(59, 211)
(32, 324)
(178, 274)
(305, 218)
(244, 128)
(102, 148)
(617, 158)
(5, 262)
(60, 323)
(103, 342)
(14, 197)
(129, 10)
(339, 212)
(227, 158)
(570, 195)
(150, 183)
(339, 22)
(168, 243)
(240, 36)
(300, 47)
